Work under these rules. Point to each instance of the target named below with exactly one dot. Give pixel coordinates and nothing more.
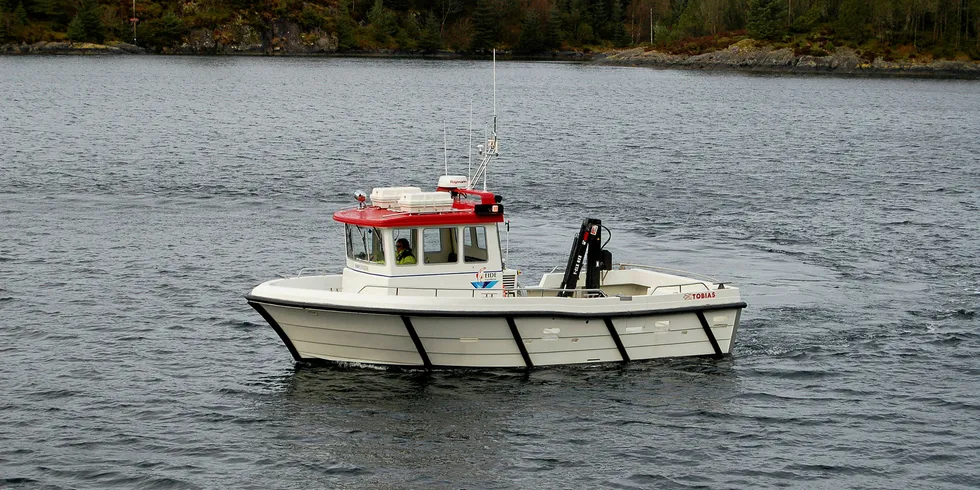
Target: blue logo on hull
(483, 284)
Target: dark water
(141, 198)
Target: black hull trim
(275, 326)
(514, 314)
(520, 342)
(615, 336)
(710, 334)
(417, 341)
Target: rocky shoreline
(743, 56)
(62, 48)
(750, 57)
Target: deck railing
(680, 287)
(695, 275)
(530, 292)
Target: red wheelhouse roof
(463, 213)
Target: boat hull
(499, 339)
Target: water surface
(141, 198)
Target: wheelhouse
(412, 240)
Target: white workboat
(426, 285)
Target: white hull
(499, 332)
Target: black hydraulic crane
(587, 250)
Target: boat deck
(625, 281)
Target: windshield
(365, 244)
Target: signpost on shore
(134, 20)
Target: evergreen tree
(616, 29)
(486, 25)
(382, 19)
(530, 41)
(59, 11)
(430, 41)
(852, 20)
(3, 29)
(597, 14)
(20, 14)
(3, 6)
(86, 26)
(552, 33)
(766, 19)
(76, 31)
(164, 32)
(691, 22)
(345, 29)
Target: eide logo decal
(484, 275)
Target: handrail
(315, 270)
(695, 275)
(473, 291)
(680, 286)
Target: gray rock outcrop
(749, 56)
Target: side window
(406, 240)
(365, 244)
(439, 245)
(475, 244)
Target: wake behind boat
(426, 285)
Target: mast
(469, 153)
(490, 150)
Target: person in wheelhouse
(403, 252)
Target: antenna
(445, 147)
(491, 149)
(469, 155)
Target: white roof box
(454, 182)
(387, 197)
(426, 202)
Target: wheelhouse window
(365, 244)
(439, 245)
(406, 243)
(475, 244)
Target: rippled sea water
(141, 198)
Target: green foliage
(382, 20)
(690, 23)
(87, 26)
(531, 40)
(58, 11)
(893, 29)
(852, 20)
(345, 30)
(163, 32)
(313, 17)
(553, 34)
(766, 19)
(584, 33)
(20, 14)
(809, 20)
(615, 30)
(486, 24)
(661, 35)
(76, 30)
(430, 40)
